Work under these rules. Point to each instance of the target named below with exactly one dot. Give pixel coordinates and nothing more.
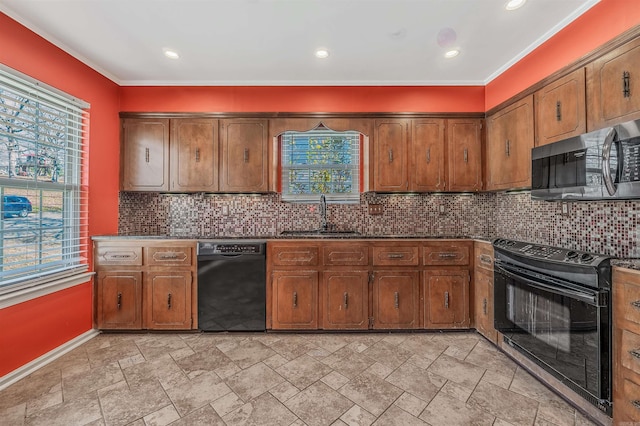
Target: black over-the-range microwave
(599, 165)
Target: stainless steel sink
(319, 233)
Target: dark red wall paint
(33, 328)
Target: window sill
(24, 295)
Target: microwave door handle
(606, 162)
(585, 297)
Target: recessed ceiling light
(171, 54)
(322, 53)
(514, 4)
(451, 53)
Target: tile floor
(284, 379)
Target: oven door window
(554, 327)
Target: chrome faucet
(324, 225)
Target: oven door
(563, 327)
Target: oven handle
(589, 298)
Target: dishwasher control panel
(218, 247)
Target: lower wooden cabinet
(119, 300)
(395, 299)
(446, 295)
(145, 284)
(345, 300)
(294, 300)
(483, 306)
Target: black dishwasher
(231, 285)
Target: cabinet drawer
(445, 255)
(169, 256)
(118, 255)
(626, 297)
(345, 254)
(630, 351)
(299, 255)
(628, 405)
(483, 255)
(396, 256)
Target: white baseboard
(52, 355)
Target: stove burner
(556, 254)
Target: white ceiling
(272, 42)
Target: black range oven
(553, 306)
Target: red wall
(33, 328)
(601, 23)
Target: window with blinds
(320, 161)
(43, 164)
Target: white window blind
(43, 193)
(320, 161)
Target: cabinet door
(119, 299)
(194, 155)
(464, 144)
(509, 144)
(294, 300)
(561, 109)
(390, 156)
(168, 300)
(446, 299)
(427, 156)
(145, 155)
(395, 300)
(345, 299)
(244, 155)
(613, 87)
(483, 305)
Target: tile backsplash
(602, 227)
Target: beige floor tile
(265, 410)
(97, 378)
(53, 397)
(162, 417)
(328, 342)
(525, 384)
(254, 381)
(339, 423)
(163, 369)
(275, 361)
(14, 416)
(291, 346)
(379, 370)
(371, 393)
(560, 416)
(447, 410)
(422, 384)
(156, 345)
(113, 353)
(303, 371)
(335, 380)
(76, 412)
(358, 416)
(488, 357)
(198, 392)
(411, 404)
(31, 387)
(203, 362)
(204, 416)
(395, 416)
(499, 378)
(318, 405)
(502, 403)
(421, 361)
(388, 354)
(227, 403)
(463, 373)
(348, 362)
(249, 352)
(284, 391)
(121, 405)
(457, 391)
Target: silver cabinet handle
(246, 155)
(484, 306)
(606, 166)
(635, 353)
(295, 299)
(636, 403)
(395, 255)
(448, 255)
(429, 155)
(346, 300)
(391, 155)
(119, 300)
(169, 301)
(168, 256)
(446, 299)
(466, 155)
(485, 259)
(396, 300)
(636, 304)
(508, 147)
(558, 111)
(626, 89)
(146, 155)
(197, 155)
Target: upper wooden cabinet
(244, 155)
(509, 143)
(613, 87)
(427, 156)
(390, 170)
(561, 109)
(464, 147)
(145, 155)
(194, 155)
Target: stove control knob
(572, 255)
(510, 243)
(586, 257)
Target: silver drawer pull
(346, 300)
(246, 155)
(120, 256)
(636, 304)
(391, 155)
(636, 403)
(396, 300)
(197, 155)
(635, 353)
(466, 155)
(119, 300)
(485, 259)
(395, 255)
(429, 155)
(484, 306)
(146, 155)
(446, 299)
(448, 255)
(295, 299)
(168, 256)
(169, 301)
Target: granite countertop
(302, 236)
